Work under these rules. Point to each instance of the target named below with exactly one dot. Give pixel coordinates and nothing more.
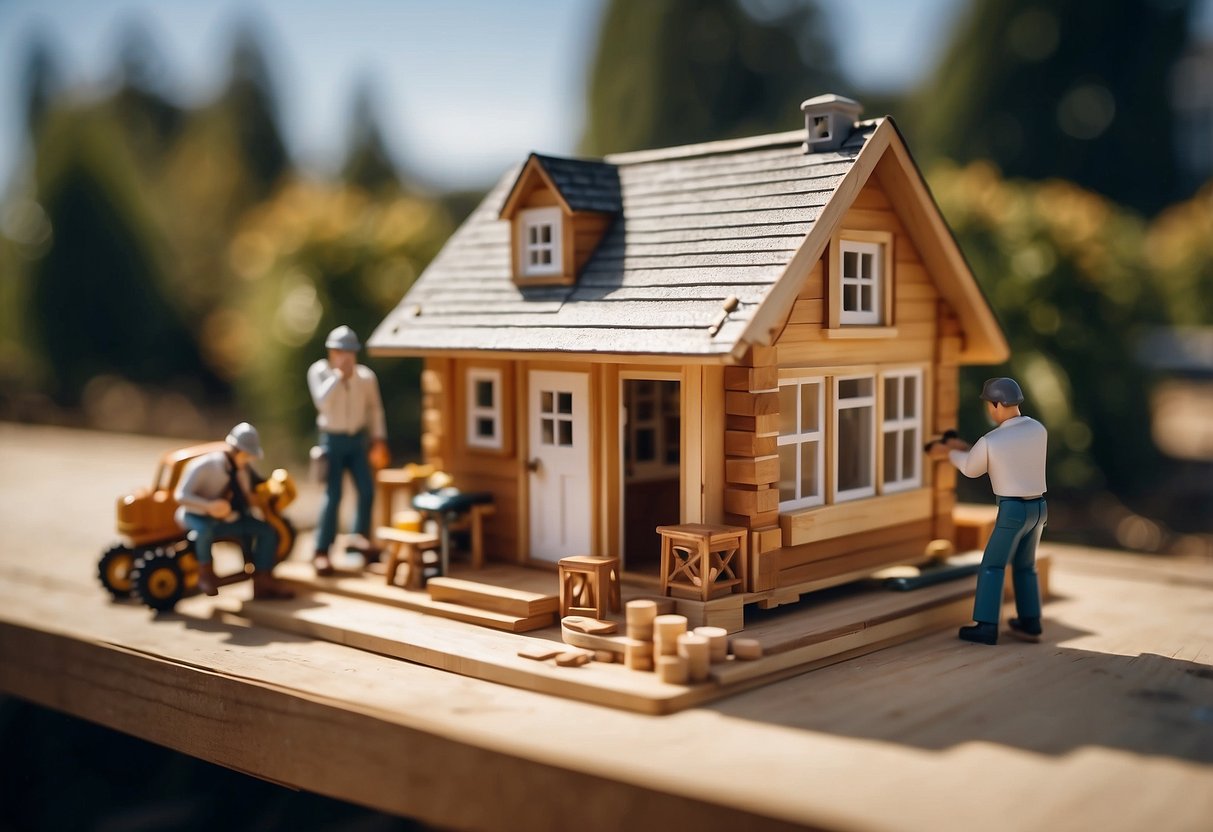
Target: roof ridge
(721, 146)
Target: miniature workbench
(1108, 724)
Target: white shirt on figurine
(349, 405)
(1013, 454)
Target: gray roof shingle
(694, 226)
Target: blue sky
(466, 87)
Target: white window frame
(902, 426)
(537, 218)
(476, 412)
(837, 405)
(861, 317)
(802, 437)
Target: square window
(548, 429)
(540, 242)
(547, 402)
(566, 433)
(799, 443)
(860, 282)
(483, 405)
(564, 402)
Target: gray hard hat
(244, 437)
(1004, 391)
(343, 338)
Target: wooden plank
(751, 379)
(711, 446)
(749, 443)
(755, 471)
(855, 516)
(750, 502)
(869, 559)
(844, 544)
(489, 597)
(367, 589)
(375, 730)
(751, 404)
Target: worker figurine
(353, 435)
(214, 493)
(1013, 454)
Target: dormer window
(541, 244)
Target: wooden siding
(919, 329)
(444, 443)
(750, 496)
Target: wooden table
(1109, 724)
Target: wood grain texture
(1102, 726)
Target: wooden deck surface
(1108, 724)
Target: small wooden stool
(408, 547)
(588, 585)
(702, 561)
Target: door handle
(532, 465)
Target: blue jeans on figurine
(206, 530)
(1016, 532)
(345, 452)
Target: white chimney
(828, 121)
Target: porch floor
(361, 610)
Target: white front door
(561, 514)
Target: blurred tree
(1075, 89)
(97, 299)
(41, 80)
(1181, 260)
(1063, 268)
(249, 104)
(314, 257)
(142, 105)
(368, 163)
(676, 71)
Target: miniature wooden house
(760, 333)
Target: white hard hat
(244, 437)
(343, 338)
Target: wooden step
(368, 589)
(495, 598)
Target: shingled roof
(584, 184)
(696, 225)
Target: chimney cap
(831, 101)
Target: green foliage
(314, 257)
(1075, 89)
(670, 72)
(1063, 268)
(96, 295)
(1181, 259)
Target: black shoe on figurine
(980, 633)
(1026, 629)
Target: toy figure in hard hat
(353, 436)
(1013, 454)
(214, 493)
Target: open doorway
(652, 437)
